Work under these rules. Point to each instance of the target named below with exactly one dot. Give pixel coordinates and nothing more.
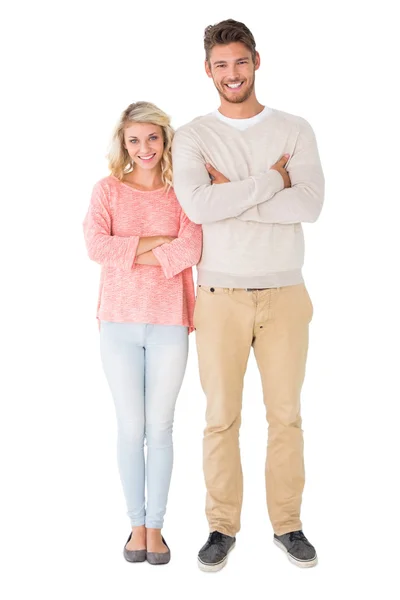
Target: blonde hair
(119, 161)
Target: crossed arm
(278, 196)
(172, 253)
(207, 203)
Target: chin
(235, 99)
(238, 100)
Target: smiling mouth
(149, 157)
(234, 86)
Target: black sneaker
(214, 553)
(299, 550)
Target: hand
(147, 258)
(216, 176)
(148, 243)
(280, 167)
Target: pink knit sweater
(117, 218)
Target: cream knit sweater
(252, 233)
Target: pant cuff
(296, 526)
(138, 522)
(223, 529)
(154, 524)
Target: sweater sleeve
(303, 201)
(206, 203)
(103, 247)
(184, 251)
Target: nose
(144, 147)
(233, 72)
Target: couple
(228, 191)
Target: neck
(148, 179)
(242, 110)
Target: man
(250, 175)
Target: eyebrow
(222, 62)
(134, 137)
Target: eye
(153, 137)
(133, 141)
(242, 62)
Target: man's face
(232, 70)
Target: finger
(211, 169)
(284, 159)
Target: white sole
(217, 567)
(303, 564)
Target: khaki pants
(275, 322)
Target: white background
(69, 69)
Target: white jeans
(144, 365)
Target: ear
(257, 62)
(207, 68)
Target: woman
(136, 229)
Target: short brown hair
(227, 32)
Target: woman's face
(145, 144)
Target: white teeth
(147, 157)
(234, 85)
